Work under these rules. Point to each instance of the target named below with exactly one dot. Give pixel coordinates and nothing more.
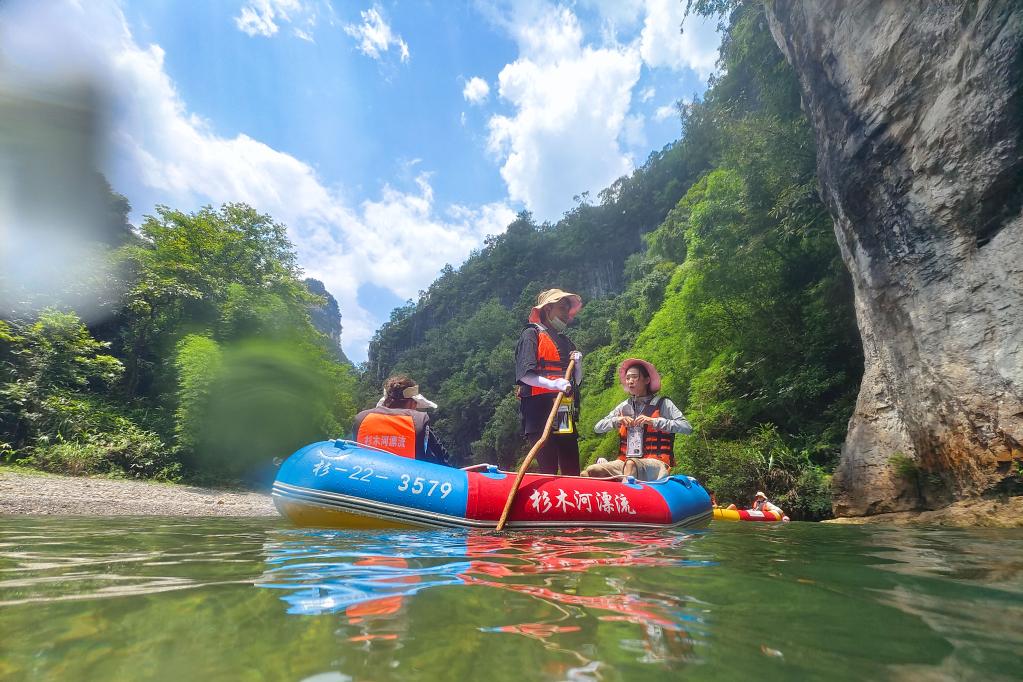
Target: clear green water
(184, 599)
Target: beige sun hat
(422, 402)
(760, 494)
(553, 296)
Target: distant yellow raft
(721, 514)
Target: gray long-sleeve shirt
(671, 420)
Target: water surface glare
(170, 599)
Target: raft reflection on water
(373, 586)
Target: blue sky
(390, 137)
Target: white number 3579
(417, 485)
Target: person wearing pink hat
(541, 360)
(646, 425)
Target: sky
(389, 137)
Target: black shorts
(561, 451)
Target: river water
(228, 599)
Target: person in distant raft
(762, 504)
(541, 359)
(646, 425)
(397, 426)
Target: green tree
(231, 267)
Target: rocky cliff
(918, 114)
(327, 317)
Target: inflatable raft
(747, 515)
(342, 484)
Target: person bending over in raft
(541, 359)
(646, 424)
(397, 426)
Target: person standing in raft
(646, 425)
(397, 426)
(541, 359)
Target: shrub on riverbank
(734, 469)
(82, 434)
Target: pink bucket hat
(553, 296)
(655, 378)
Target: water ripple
(119, 598)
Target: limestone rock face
(918, 115)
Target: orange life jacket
(384, 606)
(656, 444)
(402, 432)
(549, 362)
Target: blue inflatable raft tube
(342, 484)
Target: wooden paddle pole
(532, 451)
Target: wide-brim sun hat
(553, 296)
(760, 494)
(655, 378)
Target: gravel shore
(31, 493)
(27, 492)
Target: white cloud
(661, 45)
(413, 243)
(665, 112)
(633, 133)
(572, 120)
(398, 241)
(571, 105)
(260, 17)
(375, 36)
(549, 34)
(476, 90)
(618, 12)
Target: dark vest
(549, 362)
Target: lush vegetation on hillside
(715, 260)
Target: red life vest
(402, 432)
(656, 444)
(549, 362)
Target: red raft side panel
(544, 500)
(753, 515)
